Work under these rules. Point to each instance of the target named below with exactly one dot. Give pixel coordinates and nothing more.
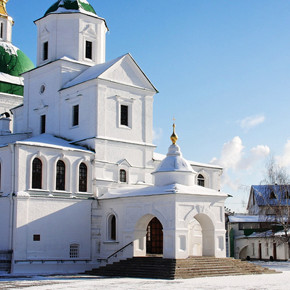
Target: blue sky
(222, 68)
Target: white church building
(79, 176)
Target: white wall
(5, 223)
(59, 222)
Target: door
(154, 237)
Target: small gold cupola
(3, 11)
(174, 136)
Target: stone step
(156, 267)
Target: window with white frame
(112, 228)
(75, 115)
(74, 251)
(45, 50)
(123, 175)
(36, 173)
(200, 180)
(89, 50)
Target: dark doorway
(154, 237)
(275, 251)
(260, 251)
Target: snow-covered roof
(271, 194)
(71, 6)
(174, 161)
(92, 72)
(160, 157)
(6, 78)
(161, 190)
(47, 140)
(251, 218)
(100, 70)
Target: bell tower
(71, 29)
(6, 23)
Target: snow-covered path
(250, 282)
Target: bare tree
(275, 200)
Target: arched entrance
(201, 236)
(154, 237)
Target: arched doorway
(154, 237)
(201, 236)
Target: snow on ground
(247, 282)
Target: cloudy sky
(222, 68)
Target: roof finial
(3, 7)
(174, 136)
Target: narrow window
(83, 176)
(42, 124)
(1, 30)
(37, 173)
(74, 251)
(200, 180)
(89, 49)
(124, 115)
(60, 175)
(45, 51)
(75, 120)
(36, 238)
(112, 228)
(123, 175)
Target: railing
(115, 254)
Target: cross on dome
(174, 136)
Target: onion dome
(3, 10)
(13, 62)
(69, 6)
(174, 168)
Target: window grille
(74, 251)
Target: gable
(127, 72)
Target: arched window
(37, 173)
(60, 175)
(83, 176)
(112, 228)
(123, 175)
(200, 180)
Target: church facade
(79, 178)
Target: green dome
(62, 6)
(13, 62)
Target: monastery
(79, 176)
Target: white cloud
(236, 160)
(252, 121)
(157, 134)
(284, 159)
(231, 154)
